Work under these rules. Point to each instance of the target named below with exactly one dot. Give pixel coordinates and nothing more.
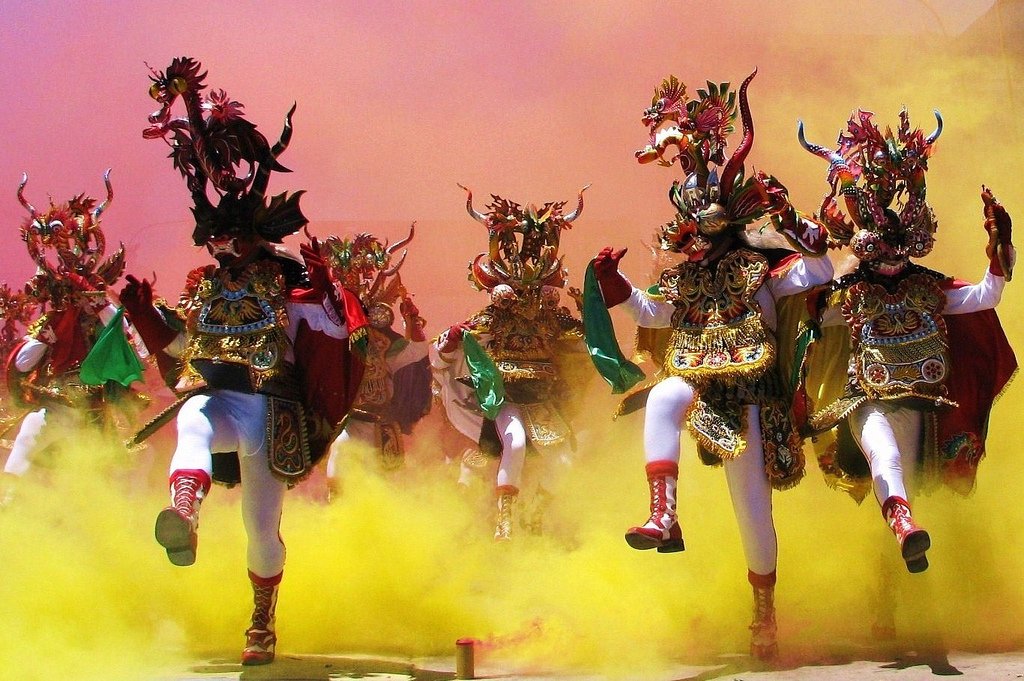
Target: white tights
(889, 435)
(356, 434)
(228, 421)
(512, 433)
(33, 436)
(749, 489)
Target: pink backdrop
(399, 101)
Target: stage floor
(909, 666)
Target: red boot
(661, 531)
(506, 495)
(176, 525)
(914, 541)
(261, 637)
(763, 630)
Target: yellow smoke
(404, 563)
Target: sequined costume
(711, 326)
(505, 375)
(395, 391)
(895, 383)
(258, 346)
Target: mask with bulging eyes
(701, 221)
(888, 251)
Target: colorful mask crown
(210, 145)
(523, 243)
(66, 242)
(881, 177)
(364, 265)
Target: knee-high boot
(176, 525)
(506, 496)
(763, 630)
(661, 531)
(261, 636)
(914, 541)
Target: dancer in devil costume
(258, 346)
(395, 392)
(502, 374)
(49, 374)
(909, 361)
(710, 322)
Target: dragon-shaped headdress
(881, 177)
(523, 243)
(363, 265)
(66, 242)
(715, 197)
(209, 147)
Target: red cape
(983, 363)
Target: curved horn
(21, 197)
(262, 176)
(837, 169)
(938, 129)
(732, 167)
(837, 164)
(398, 244)
(482, 273)
(393, 270)
(98, 210)
(579, 206)
(476, 215)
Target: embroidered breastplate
(718, 332)
(377, 386)
(237, 330)
(898, 339)
(522, 346)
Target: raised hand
(136, 295)
(614, 287)
(414, 323)
(452, 338)
(137, 300)
(1000, 251)
(316, 267)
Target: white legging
(512, 433)
(33, 435)
(749, 489)
(356, 433)
(889, 436)
(228, 421)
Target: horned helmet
(522, 261)
(66, 242)
(210, 145)
(881, 177)
(366, 266)
(715, 199)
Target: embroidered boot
(661, 531)
(261, 636)
(914, 541)
(763, 630)
(507, 495)
(176, 525)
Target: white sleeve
(30, 354)
(984, 295)
(806, 273)
(321, 317)
(647, 312)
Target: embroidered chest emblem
(235, 312)
(899, 338)
(718, 330)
